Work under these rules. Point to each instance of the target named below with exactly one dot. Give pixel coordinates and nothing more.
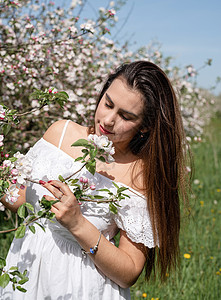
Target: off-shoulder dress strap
(63, 133)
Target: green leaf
(46, 204)
(21, 289)
(14, 280)
(104, 190)
(23, 280)
(5, 185)
(121, 189)
(115, 185)
(93, 153)
(12, 159)
(20, 232)
(61, 178)
(29, 206)
(6, 129)
(4, 280)
(125, 195)
(16, 273)
(91, 166)
(41, 213)
(13, 269)
(2, 262)
(78, 158)
(116, 204)
(98, 197)
(85, 151)
(80, 142)
(101, 158)
(32, 228)
(54, 201)
(73, 181)
(31, 218)
(50, 215)
(42, 227)
(63, 93)
(21, 211)
(113, 208)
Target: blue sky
(188, 30)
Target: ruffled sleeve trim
(134, 219)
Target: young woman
(138, 111)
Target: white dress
(57, 269)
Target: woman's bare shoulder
(54, 132)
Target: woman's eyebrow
(124, 111)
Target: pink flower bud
(85, 180)
(50, 91)
(6, 155)
(22, 187)
(92, 187)
(14, 172)
(14, 181)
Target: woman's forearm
(116, 263)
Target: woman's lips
(103, 130)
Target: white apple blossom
(2, 207)
(24, 168)
(89, 26)
(80, 108)
(12, 194)
(102, 142)
(1, 140)
(17, 103)
(7, 163)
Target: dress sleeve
(134, 219)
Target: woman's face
(119, 114)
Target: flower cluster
(17, 169)
(104, 145)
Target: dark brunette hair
(163, 152)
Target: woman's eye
(125, 118)
(108, 105)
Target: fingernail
(49, 181)
(42, 182)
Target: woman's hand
(67, 211)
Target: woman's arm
(123, 265)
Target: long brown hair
(163, 151)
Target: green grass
(199, 277)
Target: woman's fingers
(67, 210)
(55, 185)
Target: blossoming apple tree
(44, 45)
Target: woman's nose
(109, 120)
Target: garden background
(43, 46)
